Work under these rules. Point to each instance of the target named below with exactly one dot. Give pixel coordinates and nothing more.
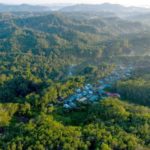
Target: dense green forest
(45, 57)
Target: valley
(74, 77)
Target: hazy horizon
(140, 3)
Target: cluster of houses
(92, 93)
(119, 73)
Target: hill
(88, 34)
(107, 7)
(23, 8)
(74, 80)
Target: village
(91, 93)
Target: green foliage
(17, 87)
(37, 55)
(6, 113)
(136, 91)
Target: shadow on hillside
(17, 88)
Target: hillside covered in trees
(49, 57)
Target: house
(90, 92)
(78, 90)
(100, 91)
(66, 106)
(78, 96)
(83, 99)
(85, 93)
(115, 95)
(72, 105)
(101, 88)
(88, 96)
(89, 86)
(72, 98)
(86, 88)
(101, 81)
(94, 98)
(104, 86)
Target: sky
(123, 2)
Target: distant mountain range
(71, 8)
(22, 8)
(96, 7)
(103, 7)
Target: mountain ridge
(103, 7)
(22, 8)
(70, 7)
